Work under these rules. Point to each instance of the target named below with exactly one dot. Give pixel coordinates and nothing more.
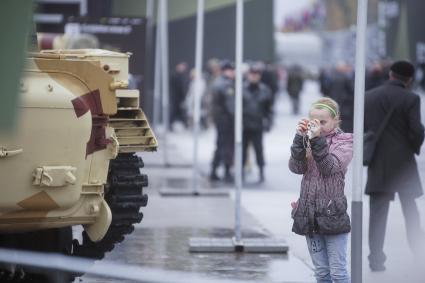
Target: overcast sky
(283, 8)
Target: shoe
(214, 177)
(262, 179)
(377, 267)
(229, 179)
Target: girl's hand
(302, 127)
(315, 128)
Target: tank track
(124, 195)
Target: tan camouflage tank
(71, 160)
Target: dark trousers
(256, 138)
(225, 144)
(295, 101)
(379, 206)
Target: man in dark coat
(223, 100)
(257, 116)
(393, 167)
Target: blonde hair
(328, 104)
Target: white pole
(238, 120)
(357, 203)
(165, 78)
(197, 92)
(157, 75)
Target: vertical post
(382, 25)
(83, 8)
(147, 90)
(238, 119)
(157, 75)
(357, 204)
(164, 76)
(197, 91)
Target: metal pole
(197, 92)
(147, 86)
(382, 25)
(164, 68)
(357, 204)
(238, 120)
(157, 75)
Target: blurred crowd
(337, 82)
(262, 83)
(182, 88)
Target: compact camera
(310, 128)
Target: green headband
(333, 112)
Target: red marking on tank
(80, 106)
(46, 41)
(91, 101)
(98, 140)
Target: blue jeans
(329, 256)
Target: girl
(321, 152)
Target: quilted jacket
(322, 205)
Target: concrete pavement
(160, 240)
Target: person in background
(374, 76)
(213, 71)
(189, 103)
(421, 79)
(325, 81)
(294, 86)
(269, 77)
(393, 167)
(342, 91)
(223, 101)
(179, 82)
(257, 116)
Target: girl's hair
(328, 104)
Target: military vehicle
(71, 162)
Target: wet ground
(161, 239)
(168, 249)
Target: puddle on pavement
(167, 249)
(186, 183)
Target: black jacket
(393, 167)
(257, 101)
(295, 82)
(342, 91)
(223, 90)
